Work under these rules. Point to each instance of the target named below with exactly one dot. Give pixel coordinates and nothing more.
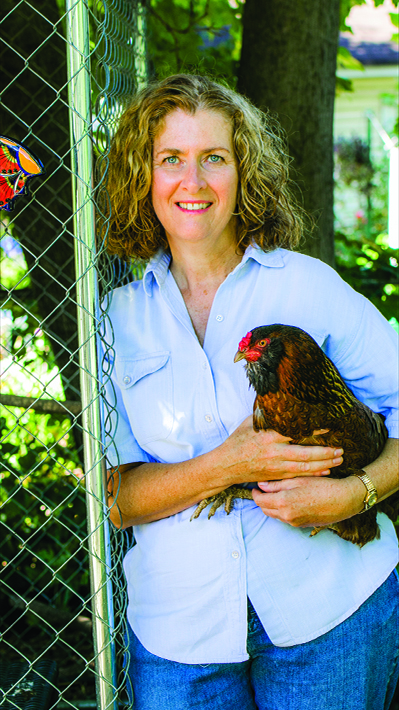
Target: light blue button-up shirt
(188, 581)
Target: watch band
(371, 497)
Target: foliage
(21, 338)
(202, 36)
(370, 267)
(40, 483)
(42, 501)
(205, 36)
(353, 162)
(37, 449)
(363, 256)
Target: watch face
(372, 499)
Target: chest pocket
(147, 390)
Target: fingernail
(338, 452)
(339, 460)
(325, 473)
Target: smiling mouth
(194, 206)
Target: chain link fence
(69, 67)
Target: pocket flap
(129, 371)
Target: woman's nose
(193, 178)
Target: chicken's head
(262, 349)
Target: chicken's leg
(226, 497)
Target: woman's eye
(214, 158)
(172, 160)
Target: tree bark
(287, 65)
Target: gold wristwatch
(371, 494)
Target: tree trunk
(288, 64)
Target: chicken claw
(226, 497)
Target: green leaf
(390, 289)
(345, 60)
(371, 253)
(342, 85)
(394, 323)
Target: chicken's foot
(226, 497)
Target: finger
(293, 469)
(267, 502)
(273, 506)
(275, 486)
(264, 499)
(312, 453)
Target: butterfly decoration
(17, 166)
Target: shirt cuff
(129, 454)
(391, 423)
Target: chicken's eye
(262, 343)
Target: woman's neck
(195, 268)
(198, 276)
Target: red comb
(245, 342)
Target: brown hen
(299, 390)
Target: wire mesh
(47, 656)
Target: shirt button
(235, 554)
(127, 380)
(208, 418)
(219, 318)
(205, 366)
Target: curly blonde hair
(267, 213)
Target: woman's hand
(308, 502)
(249, 456)
(319, 501)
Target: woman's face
(195, 178)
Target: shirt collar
(273, 258)
(158, 266)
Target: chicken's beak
(240, 355)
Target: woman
(241, 611)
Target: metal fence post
(77, 22)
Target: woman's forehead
(189, 128)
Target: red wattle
(252, 355)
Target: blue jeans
(355, 666)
